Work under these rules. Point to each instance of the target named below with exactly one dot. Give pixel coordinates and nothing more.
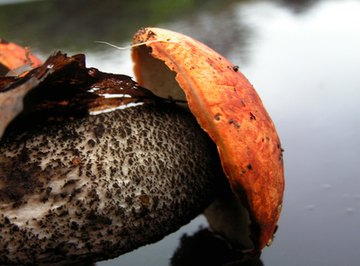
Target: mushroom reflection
(206, 248)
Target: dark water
(303, 57)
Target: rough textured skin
(97, 187)
(228, 108)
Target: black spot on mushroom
(91, 143)
(236, 68)
(217, 117)
(249, 167)
(252, 116)
(234, 123)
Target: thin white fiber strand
(133, 45)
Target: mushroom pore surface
(100, 186)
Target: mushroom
(228, 108)
(93, 187)
(13, 56)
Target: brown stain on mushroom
(214, 91)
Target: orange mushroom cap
(228, 108)
(13, 56)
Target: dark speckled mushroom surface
(100, 186)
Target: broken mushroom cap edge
(229, 109)
(13, 56)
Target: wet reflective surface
(303, 59)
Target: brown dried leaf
(63, 88)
